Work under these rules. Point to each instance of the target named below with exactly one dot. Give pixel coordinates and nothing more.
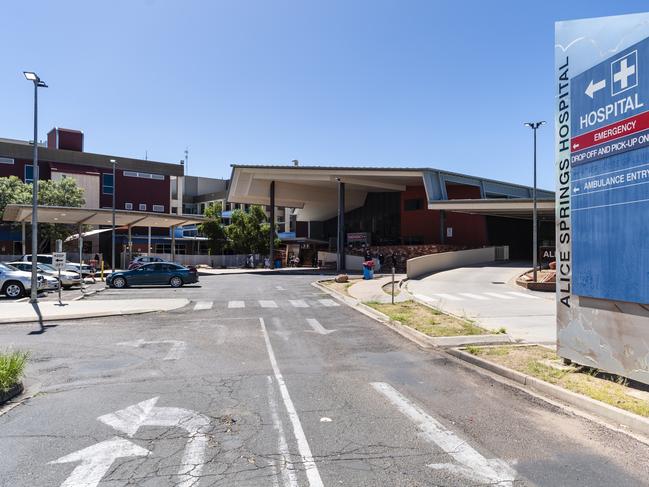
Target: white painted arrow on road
(97, 459)
(595, 87)
(317, 327)
(175, 352)
(130, 419)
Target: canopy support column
(23, 238)
(129, 247)
(83, 282)
(272, 224)
(341, 227)
(148, 243)
(173, 243)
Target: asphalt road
(487, 294)
(270, 384)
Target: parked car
(85, 270)
(144, 259)
(14, 283)
(68, 278)
(157, 273)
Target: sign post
(58, 262)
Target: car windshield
(46, 267)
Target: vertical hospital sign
(602, 199)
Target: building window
(142, 207)
(29, 173)
(128, 206)
(144, 175)
(6, 160)
(107, 183)
(413, 204)
(158, 208)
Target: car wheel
(119, 282)
(13, 290)
(176, 281)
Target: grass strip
(544, 364)
(427, 320)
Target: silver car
(68, 278)
(14, 283)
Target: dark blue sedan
(158, 273)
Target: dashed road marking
(522, 295)
(236, 304)
(474, 296)
(449, 297)
(329, 303)
(298, 303)
(267, 303)
(499, 296)
(201, 305)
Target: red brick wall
(18, 169)
(422, 222)
(138, 190)
(468, 230)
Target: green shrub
(12, 366)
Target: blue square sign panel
(610, 177)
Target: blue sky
(426, 83)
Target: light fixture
(31, 76)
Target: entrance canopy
(312, 190)
(98, 216)
(509, 208)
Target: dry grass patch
(341, 287)
(546, 365)
(427, 320)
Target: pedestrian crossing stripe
(201, 305)
(236, 304)
(298, 303)
(328, 302)
(474, 296)
(267, 303)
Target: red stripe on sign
(614, 131)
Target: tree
(13, 191)
(62, 192)
(249, 231)
(213, 227)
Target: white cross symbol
(622, 76)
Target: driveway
(265, 381)
(489, 295)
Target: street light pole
(33, 77)
(112, 252)
(534, 126)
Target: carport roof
(97, 216)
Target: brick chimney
(67, 139)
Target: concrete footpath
(487, 294)
(51, 310)
(372, 290)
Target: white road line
(236, 304)
(267, 304)
(470, 463)
(280, 288)
(499, 295)
(424, 298)
(298, 303)
(521, 295)
(329, 303)
(286, 467)
(311, 469)
(317, 327)
(448, 297)
(203, 305)
(474, 296)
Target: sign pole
(392, 285)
